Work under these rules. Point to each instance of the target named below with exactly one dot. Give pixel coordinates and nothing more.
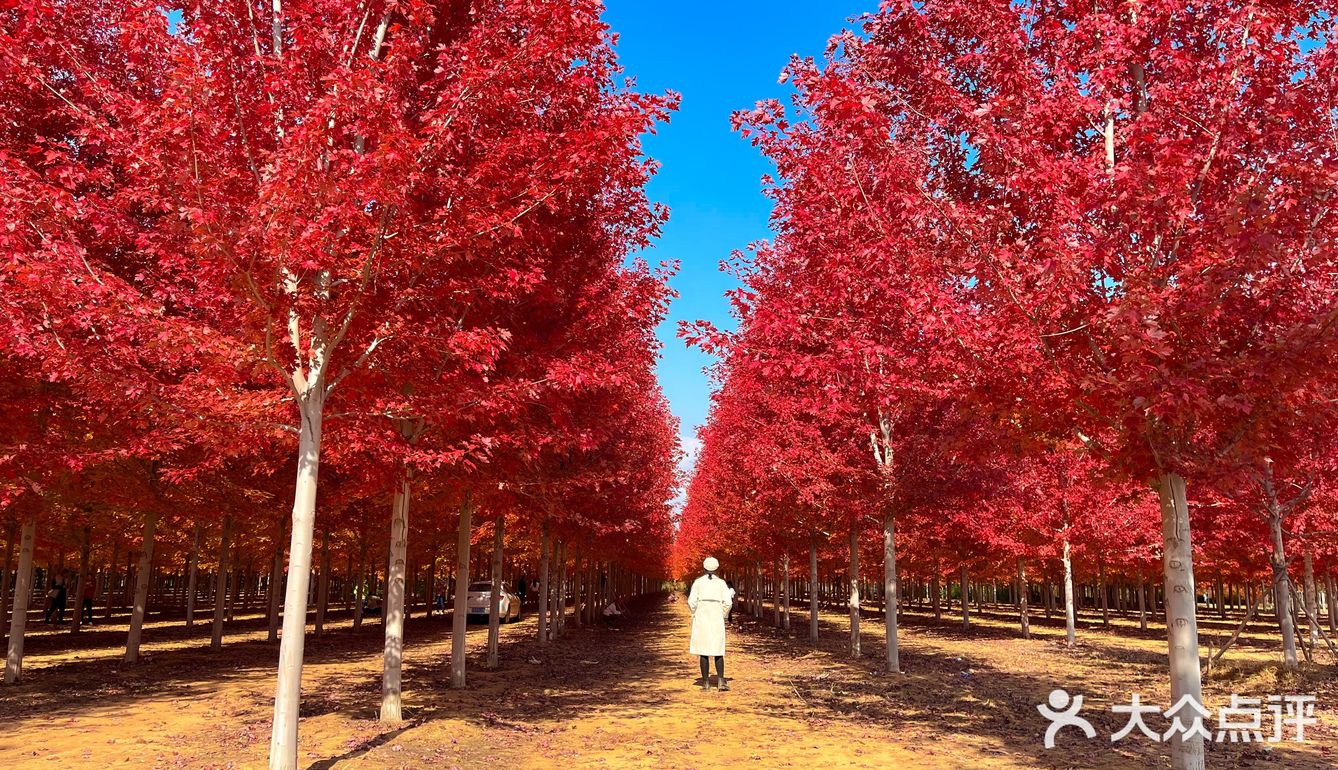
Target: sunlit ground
(625, 697)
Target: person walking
(710, 602)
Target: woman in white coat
(709, 600)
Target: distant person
(612, 612)
(440, 601)
(729, 618)
(49, 608)
(522, 588)
(710, 602)
(89, 591)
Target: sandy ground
(625, 698)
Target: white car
(479, 601)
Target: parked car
(479, 600)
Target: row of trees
(379, 245)
(1047, 276)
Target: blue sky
(721, 56)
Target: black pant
(706, 666)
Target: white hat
(711, 564)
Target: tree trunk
(84, 576)
(111, 576)
(543, 585)
(23, 589)
(141, 589)
(786, 591)
(1070, 618)
(323, 589)
(392, 656)
(495, 597)
(360, 587)
(1105, 595)
(1022, 596)
(11, 532)
(1142, 603)
(1311, 597)
(813, 588)
(288, 689)
(1282, 600)
(854, 591)
(937, 595)
(890, 601)
(1182, 633)
(1328, 601)
(221, 590)
(193, 572)
(275, 585)
(461, 613)
(966, 597)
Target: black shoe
(723, 685)
(706, 684)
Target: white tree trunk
(495, 596)
(23, 589)
(543, 586)
(1070, 619)
(1142, 603)
(461, 614)
(142, 580)
(191, 580)
(220, 608)
(392, 656)
(1182, 632)
(785, 591)
(288, 690)
(854, 591)
(890, 596)
(813, 588)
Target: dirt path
(618, 698)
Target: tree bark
(360, 587)
(193, 572)
(1022, 596)
(392, 656)
(1182, 633)
(221, 590)
(854, 591)
(1070, 612)
(1311, 597)
(543, 585)
(785, 591)
(141, 589)
(813, 588)
(23, 589)
(288, 689)
(966, 597)
(1282, 600)
(495, 597)
(461, 613)
(890, 601)
(84, 576)
(1142, 603)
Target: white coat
(709, 600)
